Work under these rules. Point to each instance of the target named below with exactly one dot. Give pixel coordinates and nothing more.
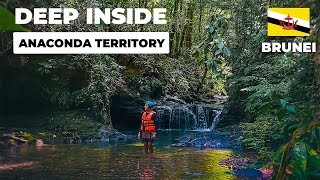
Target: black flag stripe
(298, 28)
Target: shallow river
(115, 161)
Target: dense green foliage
(215, 49)
(81, 81)
(278, 94)
(72, 127)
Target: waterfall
(201, 118)
(181, 118)
(187, 117)
(164, 114)
(215, 120)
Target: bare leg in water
(146, 147)
(150, 147)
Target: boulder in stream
(203, 140)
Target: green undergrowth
(73, 126)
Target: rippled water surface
(115, 161)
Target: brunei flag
(288, 21)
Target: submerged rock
(203, 140)
(195, 174)
(247, 172)
(236, 163)
(183, 139)
(109, 134)
(246, 167)
(253, 173)
(179, 145)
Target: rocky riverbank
(188, 112)
(15, 137)
(61, 127)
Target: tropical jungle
(225, 110)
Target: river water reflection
(115, 161)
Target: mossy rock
(29, 137)
(16, 138)
(74, 126)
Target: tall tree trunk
(199, 88)
(181, 5)
(186, 34)
(182, 37)
(173, 27)
(176, 48)
(200, 17)
(189, 27)
(145, 3)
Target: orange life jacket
(147, 124)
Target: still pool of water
(115, 161)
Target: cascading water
(187, 117)
(201, 118)
(215, 120)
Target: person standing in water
(147, 130)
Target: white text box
(100, 43)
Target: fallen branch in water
(14, 166)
